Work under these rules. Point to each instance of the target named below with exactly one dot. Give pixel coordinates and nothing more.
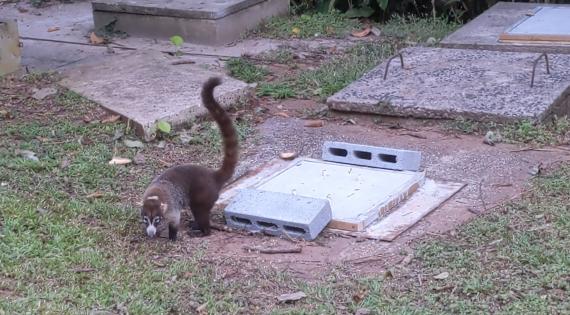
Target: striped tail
(229, 134)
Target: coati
(189, 185)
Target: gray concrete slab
(203, 22)
(146, 87)
(450, 83)
(483, 32)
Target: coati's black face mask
(152, 224)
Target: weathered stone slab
(146, 87)
(483, 32)
(449, 83)
(197, 21)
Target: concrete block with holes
(365, 155)
(278, 213)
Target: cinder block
(278, 213)
(379, 157)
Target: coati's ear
(163, 206)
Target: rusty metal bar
(390, 60)
(534, 67)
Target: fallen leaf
(139, 159)
(288, 155)
(362, 311)
(111, 119)
(43, 93)
(64, 163)
(314, 123)
(291, 297)
(376, 31)
(185, 137)
(53, 29)
(362, 33)
(360, 295)
(202, 308)
(159, 264)
(282, 114)
(161, 144)
(133, 143)
(119, 133)
(4, 114)
(441, 276)
(94, 195)
(42, 211)
(164, 126)
(84, 140)
(27, 154)
(96, 40)
(22, 10)
(119, 161)
(296, 30)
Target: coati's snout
(152, 225)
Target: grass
(330, 77)
(245, 70)
(309, 25)
(417, 29)
(552, 132)
(62, 252)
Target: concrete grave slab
(452, 83)
(484, 31)
(146, 87)
(358, 195)
(205, 22)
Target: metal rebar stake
(534, 67)
(390, 60)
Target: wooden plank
(534, 38)
(428, 198)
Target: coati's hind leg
(201, 214)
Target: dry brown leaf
(282, 114)
(119, 161)
(291, 297)
(288, 155)
(111, 119)
(441, 276)
(96, 194)
(53, 29)
(314, 123)
(96, 40)
(362, 33)
(360, 295)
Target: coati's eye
(156, 220)
(145, 220)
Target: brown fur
(191, 185)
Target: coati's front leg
(172, 231)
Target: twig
(413, 135)
(183, 62)
(78, 270)
(274, 250)
(481, 196)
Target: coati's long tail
(229, 134)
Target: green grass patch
(555, 131)
(417, 29)
(245, 70)
(309, 25)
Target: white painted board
(545, 21)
